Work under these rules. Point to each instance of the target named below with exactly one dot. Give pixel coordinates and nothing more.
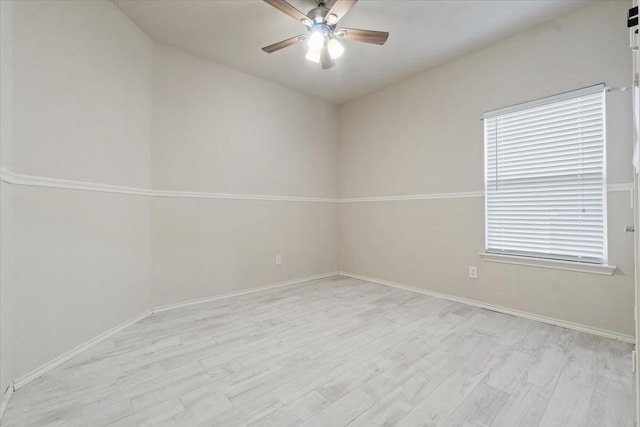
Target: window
(545, 178)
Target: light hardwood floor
(334, 352)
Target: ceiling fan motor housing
(318, 14)
(321, 31)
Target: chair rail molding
(14, 178)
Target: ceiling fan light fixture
(335, 48)
(316, 40)
(322, 36)
(313, 56)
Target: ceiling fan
(322, 35)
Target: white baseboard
(513, 312)
(5, 399)
(47, 367)
(168, 307)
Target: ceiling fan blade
(281, 45)
(340, 8)
(366, 36)
(285, 7)
(325, 59)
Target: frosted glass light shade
(335, 48)
(316, 40)
(313, 56)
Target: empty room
(319, 213)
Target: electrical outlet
(473, 272)
(278, 259)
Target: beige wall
(81, 261)
(6, 80)
(81, 110)
(88, 97)
(218, 130)
(6, 286)
(82, 85)
(6, 122)
(424, 136)
(206, 247)
(81, 266)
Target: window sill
(602, 269)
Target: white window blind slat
(551, 100)
(544, 164)
(567, 149)
(558, 126)
(550, 115)
(545, 178)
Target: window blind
(545, 178)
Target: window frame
(550, 260)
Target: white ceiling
(423, 33)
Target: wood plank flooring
(336, 352)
